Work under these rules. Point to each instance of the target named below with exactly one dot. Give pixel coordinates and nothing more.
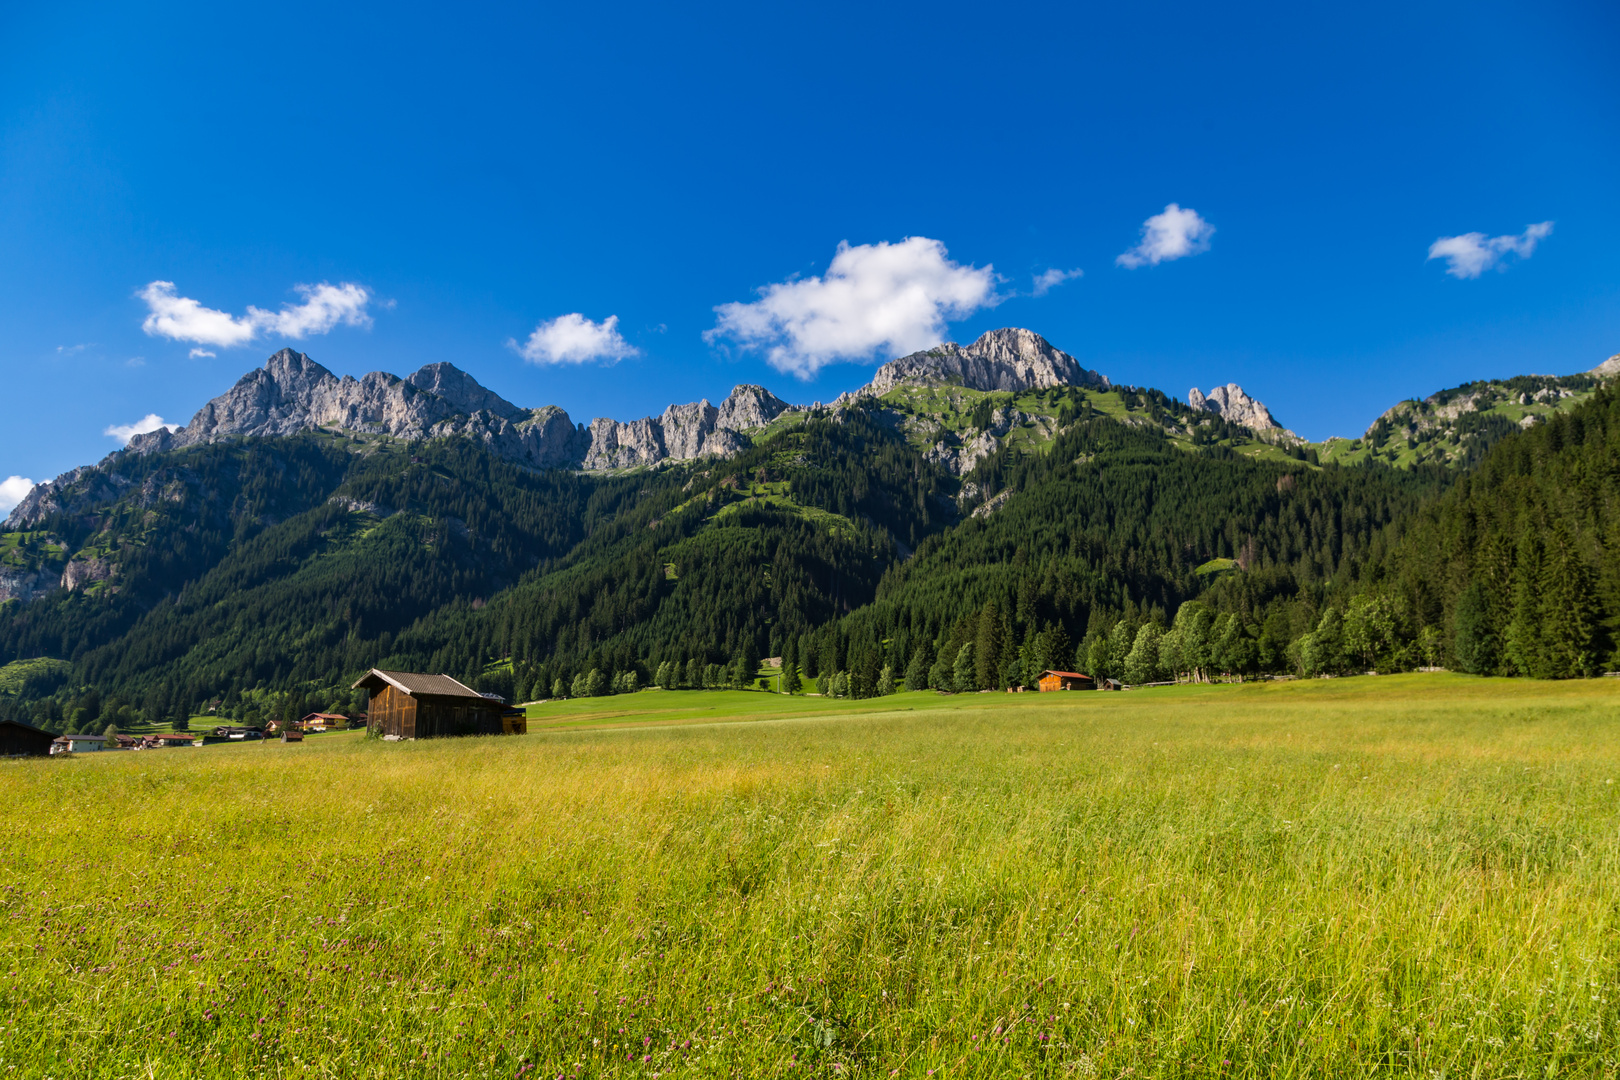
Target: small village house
(409, 705)
(78, 744)
(166, 739)
(323, 721)
(1065, 680)
(18, 739)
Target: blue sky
(459, 180)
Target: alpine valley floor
(1403, 875)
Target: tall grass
(1405, 875)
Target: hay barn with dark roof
(409, 705)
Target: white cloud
(198, 354)
(1174, 234)
(1471, 254)
(181, 318)
(1048, 280)
(69, 350)
(325, 306)
(574, 339)
(150, 422)
(13, 489)
(893, 298)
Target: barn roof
(1067, 674)
(24, 725)
(416, 684)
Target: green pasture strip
(1397, 876)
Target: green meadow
(1412, 875)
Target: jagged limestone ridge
(1009, 359)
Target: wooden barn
(18, 739)
(1065, 680)
(407, 705)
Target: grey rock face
(683, 432)
(616, 445)
(461, 391)
(25, 585)
(1609, 367)
(1231, 404)
(748, 407)
(81, 572)
(1009, 359)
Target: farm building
(78, 744)
(407, 705)
(324, 721)
(18, 739)
(1065, 680)
(166, 739)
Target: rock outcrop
(1608, 368)
(25, 585)
(1009, 359)
(683, 432)
(81, 572)
(1231, 404)
(66, 495)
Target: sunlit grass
(1411, 875)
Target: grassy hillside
(949, 418)
(1411, 875)
(1458, 426)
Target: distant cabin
(18, 739)
(408, 705)
(1065, 680)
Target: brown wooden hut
(18, 739)
(407, 705)
(1065, 680)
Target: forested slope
(1516, 570)
(282, 564)
(717, 561)
(1116, 527)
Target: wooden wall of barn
(396, 713)
(457, 716)
(18, 741)
(393, 713)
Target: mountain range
(292, 393)
(998, 494)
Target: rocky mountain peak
(749, 406)
(1609, 367)
(460, 390)
(1009, 359)
(292, 370)
(1231, 404)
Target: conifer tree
(917, 670)
(963, 678)
(1472, 642)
